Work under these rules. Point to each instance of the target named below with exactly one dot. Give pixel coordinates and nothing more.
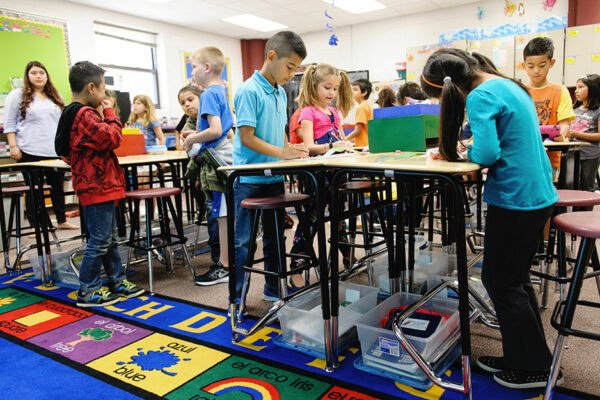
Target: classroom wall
(378, 45)
(172, 40)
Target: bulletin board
(500, 50)
(225, 76)
(416, 57)
(25, 38)
(582, 52)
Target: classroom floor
(580, 361)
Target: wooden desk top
(550, 145)
(295, 163)
(405, 161)
(126, 160)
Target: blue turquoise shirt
(506, 137)
(264, 107)
(214, 102)
(147, 131)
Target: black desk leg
(5, 234)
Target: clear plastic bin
(382, 350)
(62, 274)
(302, 321)
(427, 263)
(474, 282)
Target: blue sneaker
(270, 296)
(126, 289)
(97, 298)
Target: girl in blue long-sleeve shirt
(519, 193)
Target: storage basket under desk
(302, 322)
(381, 350)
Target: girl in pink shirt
(321, 127)
(321, 131)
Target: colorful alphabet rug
(157, 347)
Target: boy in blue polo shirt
(261, 111)
(214, 122)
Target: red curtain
(253, 55)
(584, 12)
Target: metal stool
(568, 198)
(276, 206)
(165, 206)
(356, 191)
(16, 194)
(585, 224)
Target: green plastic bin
(402, 133)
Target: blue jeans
(213, 232)
(101, 249)
(243, 225)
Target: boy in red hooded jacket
(88, 132)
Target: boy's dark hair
(364, 85)
(539, 46)
(190, 88)
(83, 73)
(592, 81)
(412, 90)
(286, 43)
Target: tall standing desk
(404, 166)
(174, 158)
(564, 147)
(388, 165)
(309, 168)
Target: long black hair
(592, 81)
(449, 75)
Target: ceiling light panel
(255, 23)
(357, 6)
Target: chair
(16, 195)
(585, 224)
(165, 206)
(275, 206)
(356, 190)
(567, 198)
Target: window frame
(152, 46)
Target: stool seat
(361, 186)
(21, 189)
(153, 193)
(276, 202)
(580, 223)
(577, 198)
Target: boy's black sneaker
(97, 298)
(216, 274)
(516, 379)
(491, 364)
(127, 289)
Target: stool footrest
(157, 246)
(556, 314)
(363, 246)
(553, 278)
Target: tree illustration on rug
(96, 334)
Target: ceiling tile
(250, 6)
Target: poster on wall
(31, 38)
(224, 77)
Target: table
(564, 147)
(389, 165)
(41, 234)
